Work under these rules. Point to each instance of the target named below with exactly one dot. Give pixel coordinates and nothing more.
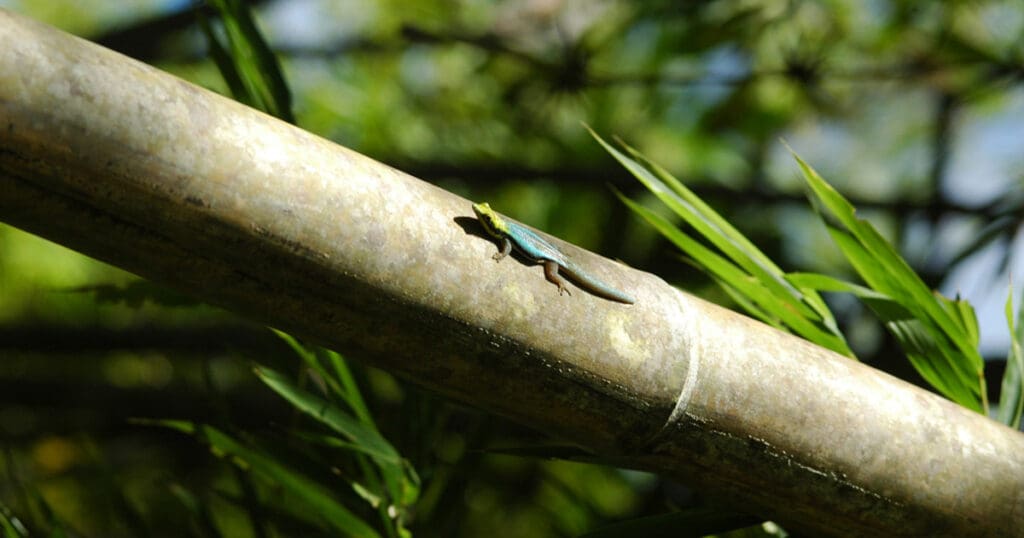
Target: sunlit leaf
(939, 335)
(754, 282)
(1011, 399)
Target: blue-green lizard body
(537, 249)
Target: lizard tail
(595, 286)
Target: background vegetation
(914, 110)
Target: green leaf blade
(316, 496)
(941, 338)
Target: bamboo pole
(140, 169)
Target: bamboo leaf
(309, 356)
(1011, 399)
(368, 440)
(253, 64)
(349, 390)
(313, 494)
(743, 271)
(722, 270)
(228, 70)
(714, 228)
(939, 335)
(822, 282)
(399, 478)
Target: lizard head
(491, 221)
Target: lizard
(512, 234)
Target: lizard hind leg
(551, 272)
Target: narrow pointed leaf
(324, 411)
(1011, 398)
(315, 495)
(400, 479)
(254, 61)
(939, 335)
(768, 295)
(715, 229)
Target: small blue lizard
(537, 249)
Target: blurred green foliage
(486, 99)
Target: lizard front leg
(551, 272)
(506, 247)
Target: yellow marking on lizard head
(494, 224)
